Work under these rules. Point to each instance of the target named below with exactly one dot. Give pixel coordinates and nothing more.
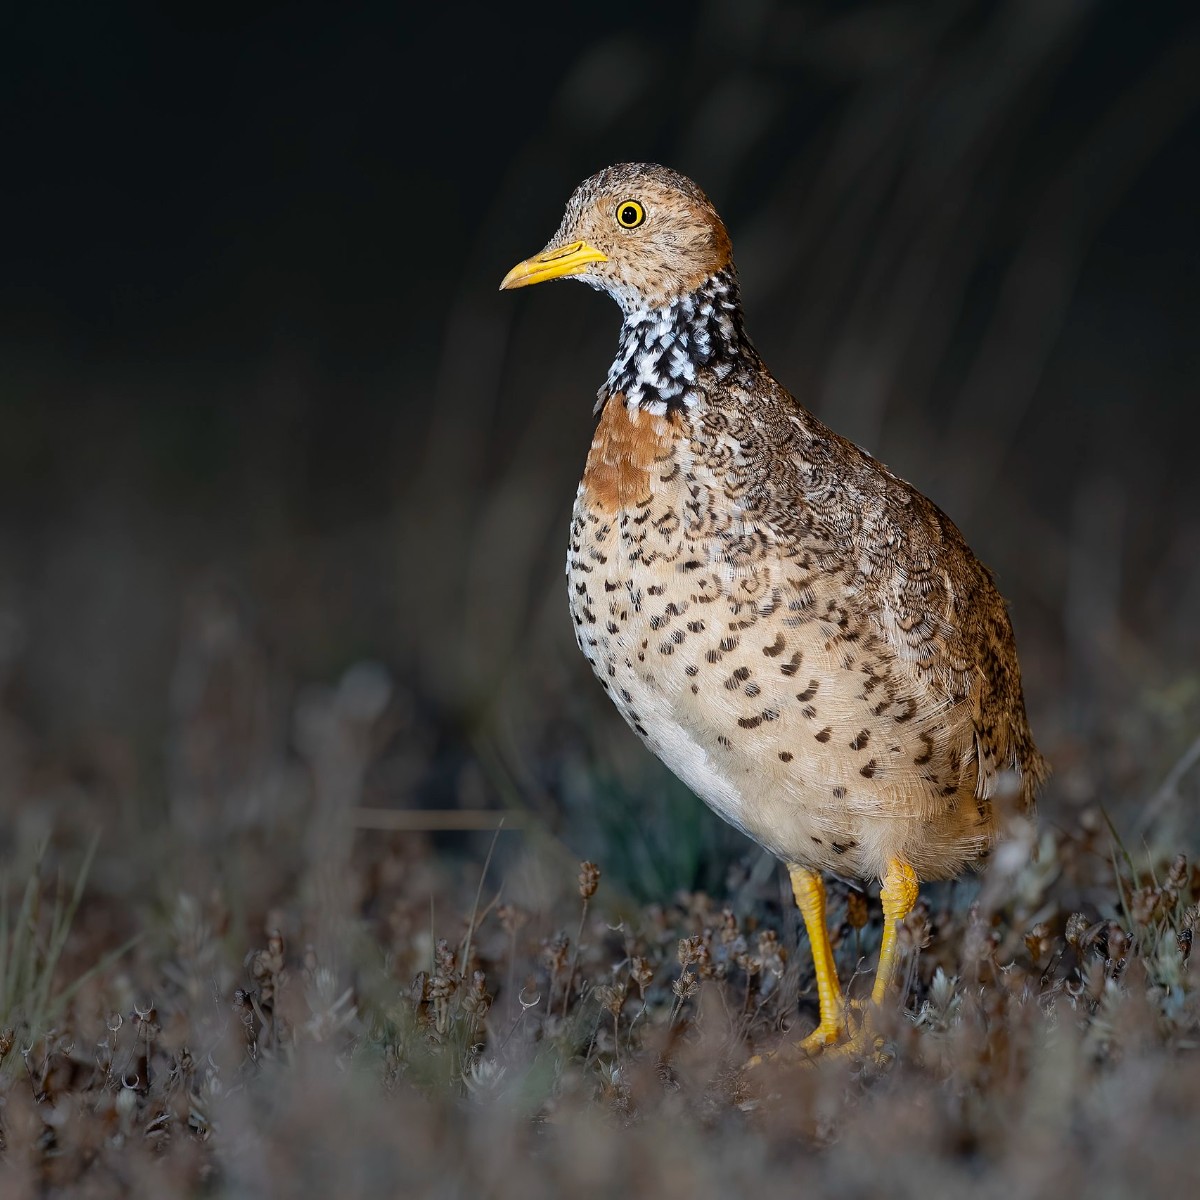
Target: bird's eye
(630, 214)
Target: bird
(800, 635)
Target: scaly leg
(899, 896)
(809, 889)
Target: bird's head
(642, 233)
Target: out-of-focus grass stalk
(29, 955)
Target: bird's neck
(664, 351)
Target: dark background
(263, 410)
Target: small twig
(1119, 845)
(487, 862)
(525, 1007)
(1129, 923)
(589, 881)
(641, 1012)
(433, 820)
(1168, 790)
(574, 959)
(587, 1061)
(512, 970)
(432, 940)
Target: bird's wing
(871, 549)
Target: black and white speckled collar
(663, 350)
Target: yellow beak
(552, 264)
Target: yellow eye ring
(630, 214)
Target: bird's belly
(675, 644)
(697, 736)
(774, 718)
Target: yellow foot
(852, 1035)
(836, 1030)
(827, 1034)
(866, 1042)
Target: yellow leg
(809, 889)
(898, 895)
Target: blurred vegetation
(284, 488)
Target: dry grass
(368, 1015)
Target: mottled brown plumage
(803, 637)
